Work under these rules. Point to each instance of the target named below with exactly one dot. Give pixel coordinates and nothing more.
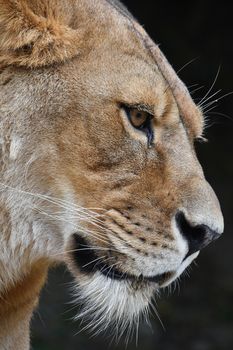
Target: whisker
(215, 101)
(77, 216)
(227, 94)
(210, 109)
(97, 233)
(223, 115)
(153, 307)
(212, 85)
(195, 90)
(84, 249)
(208, 105)
(94, 234)
(57, 201)
(191, 86)
(203, 104)
(94, 260)
(111, 266)
(187, 64)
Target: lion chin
(110, 299)
(112, 304)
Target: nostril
(197, 236)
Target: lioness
(98, 167)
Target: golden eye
(138, 118)
(141, 120)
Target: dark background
(199, 316)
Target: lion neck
(23, 264)
(24, 240)
(17, 305)
(24, 237)
(24, 250)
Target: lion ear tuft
(36, 33)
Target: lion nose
(197, 236)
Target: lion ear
(35, 33)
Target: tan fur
(37, 33)
(68, 152)
(16, 306)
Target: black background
(199, 316)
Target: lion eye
(141, 120)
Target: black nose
(198, 237)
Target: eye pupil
(137, 119)
(141, 120)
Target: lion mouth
(88, 262)
(108, 295)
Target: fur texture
(37, 33)
(78, 183)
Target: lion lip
(116, 274)
(185, 263)
(87, 261)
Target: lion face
(145, 206)
(155, 206)
(108, 142)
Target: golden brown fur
(16, 307)
(72, 165)
(37, 33)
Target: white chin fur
(106, 302)
(117, 304)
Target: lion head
(97, 151)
